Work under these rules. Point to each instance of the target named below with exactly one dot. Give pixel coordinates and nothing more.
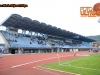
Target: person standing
(19, 50)
(89, 50)
(22, 50)
(0, 52)
(74, 52)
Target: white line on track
(31, 62)
(58, 70)
(46, 71)
(37, 61)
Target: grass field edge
(58, 70)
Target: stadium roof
(25, 23)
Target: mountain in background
(97, 38)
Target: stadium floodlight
(99, 20)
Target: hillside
(97, 37)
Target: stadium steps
(49, 43)
(4, 38)
(7, 45)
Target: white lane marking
(31, 62)
(58, 70)
(37, 61)
(46, 71)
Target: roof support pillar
(42, 35)
(45, 36)
(24, 32)
(7, 29)
(52, 50)
(58, 49)
(30, 33)
(36, 33)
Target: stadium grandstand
(41, 37)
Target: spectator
(30, 41)
(15, 40)
(19, 51)
(0, 52)
(22, 50)
(89, 50)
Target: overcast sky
(64, 14)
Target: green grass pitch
(88, 65)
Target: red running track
(27, 64)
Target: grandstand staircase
(49, 44)
(7, 45)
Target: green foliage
(97, 37)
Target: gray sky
(64, 14)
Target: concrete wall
(2, 40)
